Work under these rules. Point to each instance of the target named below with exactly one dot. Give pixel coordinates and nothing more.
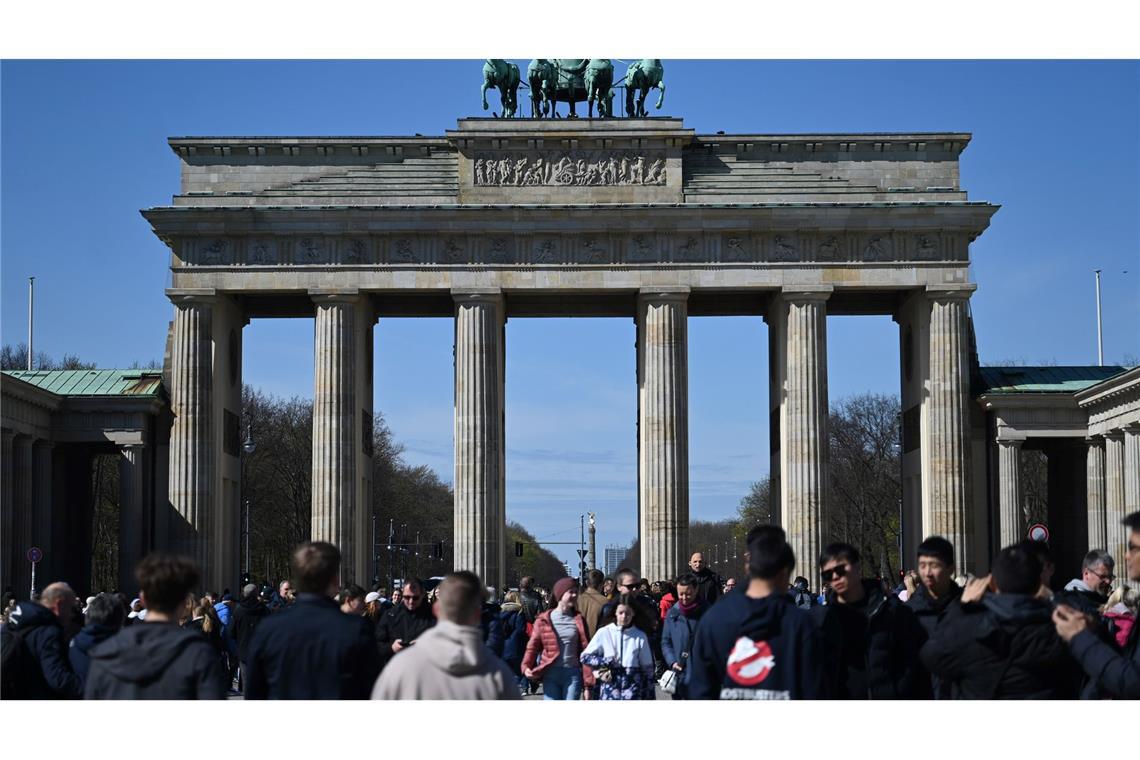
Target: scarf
(688, 609)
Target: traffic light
(582, 566)
(518, 548)
(437, 550)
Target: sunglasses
(836, 572)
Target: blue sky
(1055, 144)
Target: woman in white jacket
(621, 658)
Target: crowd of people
(937, 635)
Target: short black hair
(352, 591)
(1132, 521)
(769, 553)
(937, 548)
(166, 580)
(688, 580)
(839, 550)
(1016, 570)
(105, 610)
(1038, 549)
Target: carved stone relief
(926, 248)
(261, 252)
(643, 247)
(311, 251)
(689, 249)
(402, 251)
(737, 249)
(585, 168)
(545, 251)
(498, 251)
(784, 248)
(595, 251)
(355, 252)
(453, 251)
(877, 248)
(829, 249)
(214, 252)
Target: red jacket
(667, 601)
(545, 638)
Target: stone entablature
(1113, 404)
(1027, 415)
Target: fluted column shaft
(480, 443)
(1131, 469)
(804, 460)
(1098, 536)
(42, 517)
(22, 510)
(1011, 522)
(7, 558)
(132, 519)
(191, 444)
(947, 478)
(1117, 534)
(334, 409)
(663, 429)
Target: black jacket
(1110, 673)
(1004, 647)
(79, 651)
(247, 615)
(155, 661)
(887, 665)
(398, 623)
(312, 650)
(44, 669)
(709, 585)
(929, 612)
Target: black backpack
(12, 657)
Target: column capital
(805, 293)
(1114, 435)
(950, 292)
(190, 296)
(477, 295)
(678, 293)
(1094, 440)
(335, 295)
(1132, 428)
(1011, 442)
(43, 443)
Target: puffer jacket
(449, 661)
(544, 649)
(512, 623)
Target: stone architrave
(1132, 469)
(1117, 542)
(663, 430)
(947, 481)
(803, 420)
(22, 509)
(191, 443)
(480, 446)
(339, 327)
(1098, 536)
(1011, 521)
(132, 518)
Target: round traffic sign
(35, 554)
(1038, 532)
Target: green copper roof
(94, 382)
(1043, 379)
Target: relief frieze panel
(574, 168)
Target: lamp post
(248, 447)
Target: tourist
(560, 638)
(709, 584)
(801, 594)
(204, 620)
(591, 601)
(666, 599)
(729, 585)
(871, 639)
(374, 606)
(314, 651)
(39, 632)
(1089, 592)
(158, 659)
(998, 641)
(1111, 673)
(400, 626)
(104, 617)
(934, 592)
(621, 659)
(283, 598)
(351, 600)
(1120, 611)
(679, 628)
(755, 644)
(609, 588)
(450, 660)
(512, 624)
(532, 601)
(251, 611)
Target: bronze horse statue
(542, 77)
(599, 79)
(570, 85)
(640, 78)
(503, 76)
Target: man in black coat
(40, 629)
(249, 612)
(870, 638)
(934, 594)
(709, 584)
(158, 659)
(400, 626)
(998, 642)
(312, 650)
(1089, 592)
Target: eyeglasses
(835, 572)
(1106, 578)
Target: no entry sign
(1038, 532)
(35, 554)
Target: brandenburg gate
(637, 218)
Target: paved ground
(660, 695)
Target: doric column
(663, 430)
(1132, 468)
(132, 517)
(1117, 534)
(1098, 536)
(800, 330)
(191, 442)
(8, 555)
(480, 445)
(946, 476)
(43, 524)
(22, 488)
(1011, 522)
(334, 410)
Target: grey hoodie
(447, 661)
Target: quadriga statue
(503, 76)
(640, 78)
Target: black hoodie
(1005, 647)
(44, 669)
(156, 661)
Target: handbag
(668, 681)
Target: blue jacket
(677, 638)
(45, 671)
(749, 648)
(512, 623)
(79, 652)
(312, 650)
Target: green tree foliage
(536, 562)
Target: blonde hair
(204, 610)
(1121, 595)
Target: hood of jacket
(253, 605)
(1017, 610)
(29, 615)
(142, 652)
(92, 634)
(510, 607)
(1076, 584)
(455, 649)
(921, 601)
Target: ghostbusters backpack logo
(750, 661)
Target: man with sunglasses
(1089, 592)
(871, 639)
(1111, 673)
(400, 626)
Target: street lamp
(248, 447)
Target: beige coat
(590, 603)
